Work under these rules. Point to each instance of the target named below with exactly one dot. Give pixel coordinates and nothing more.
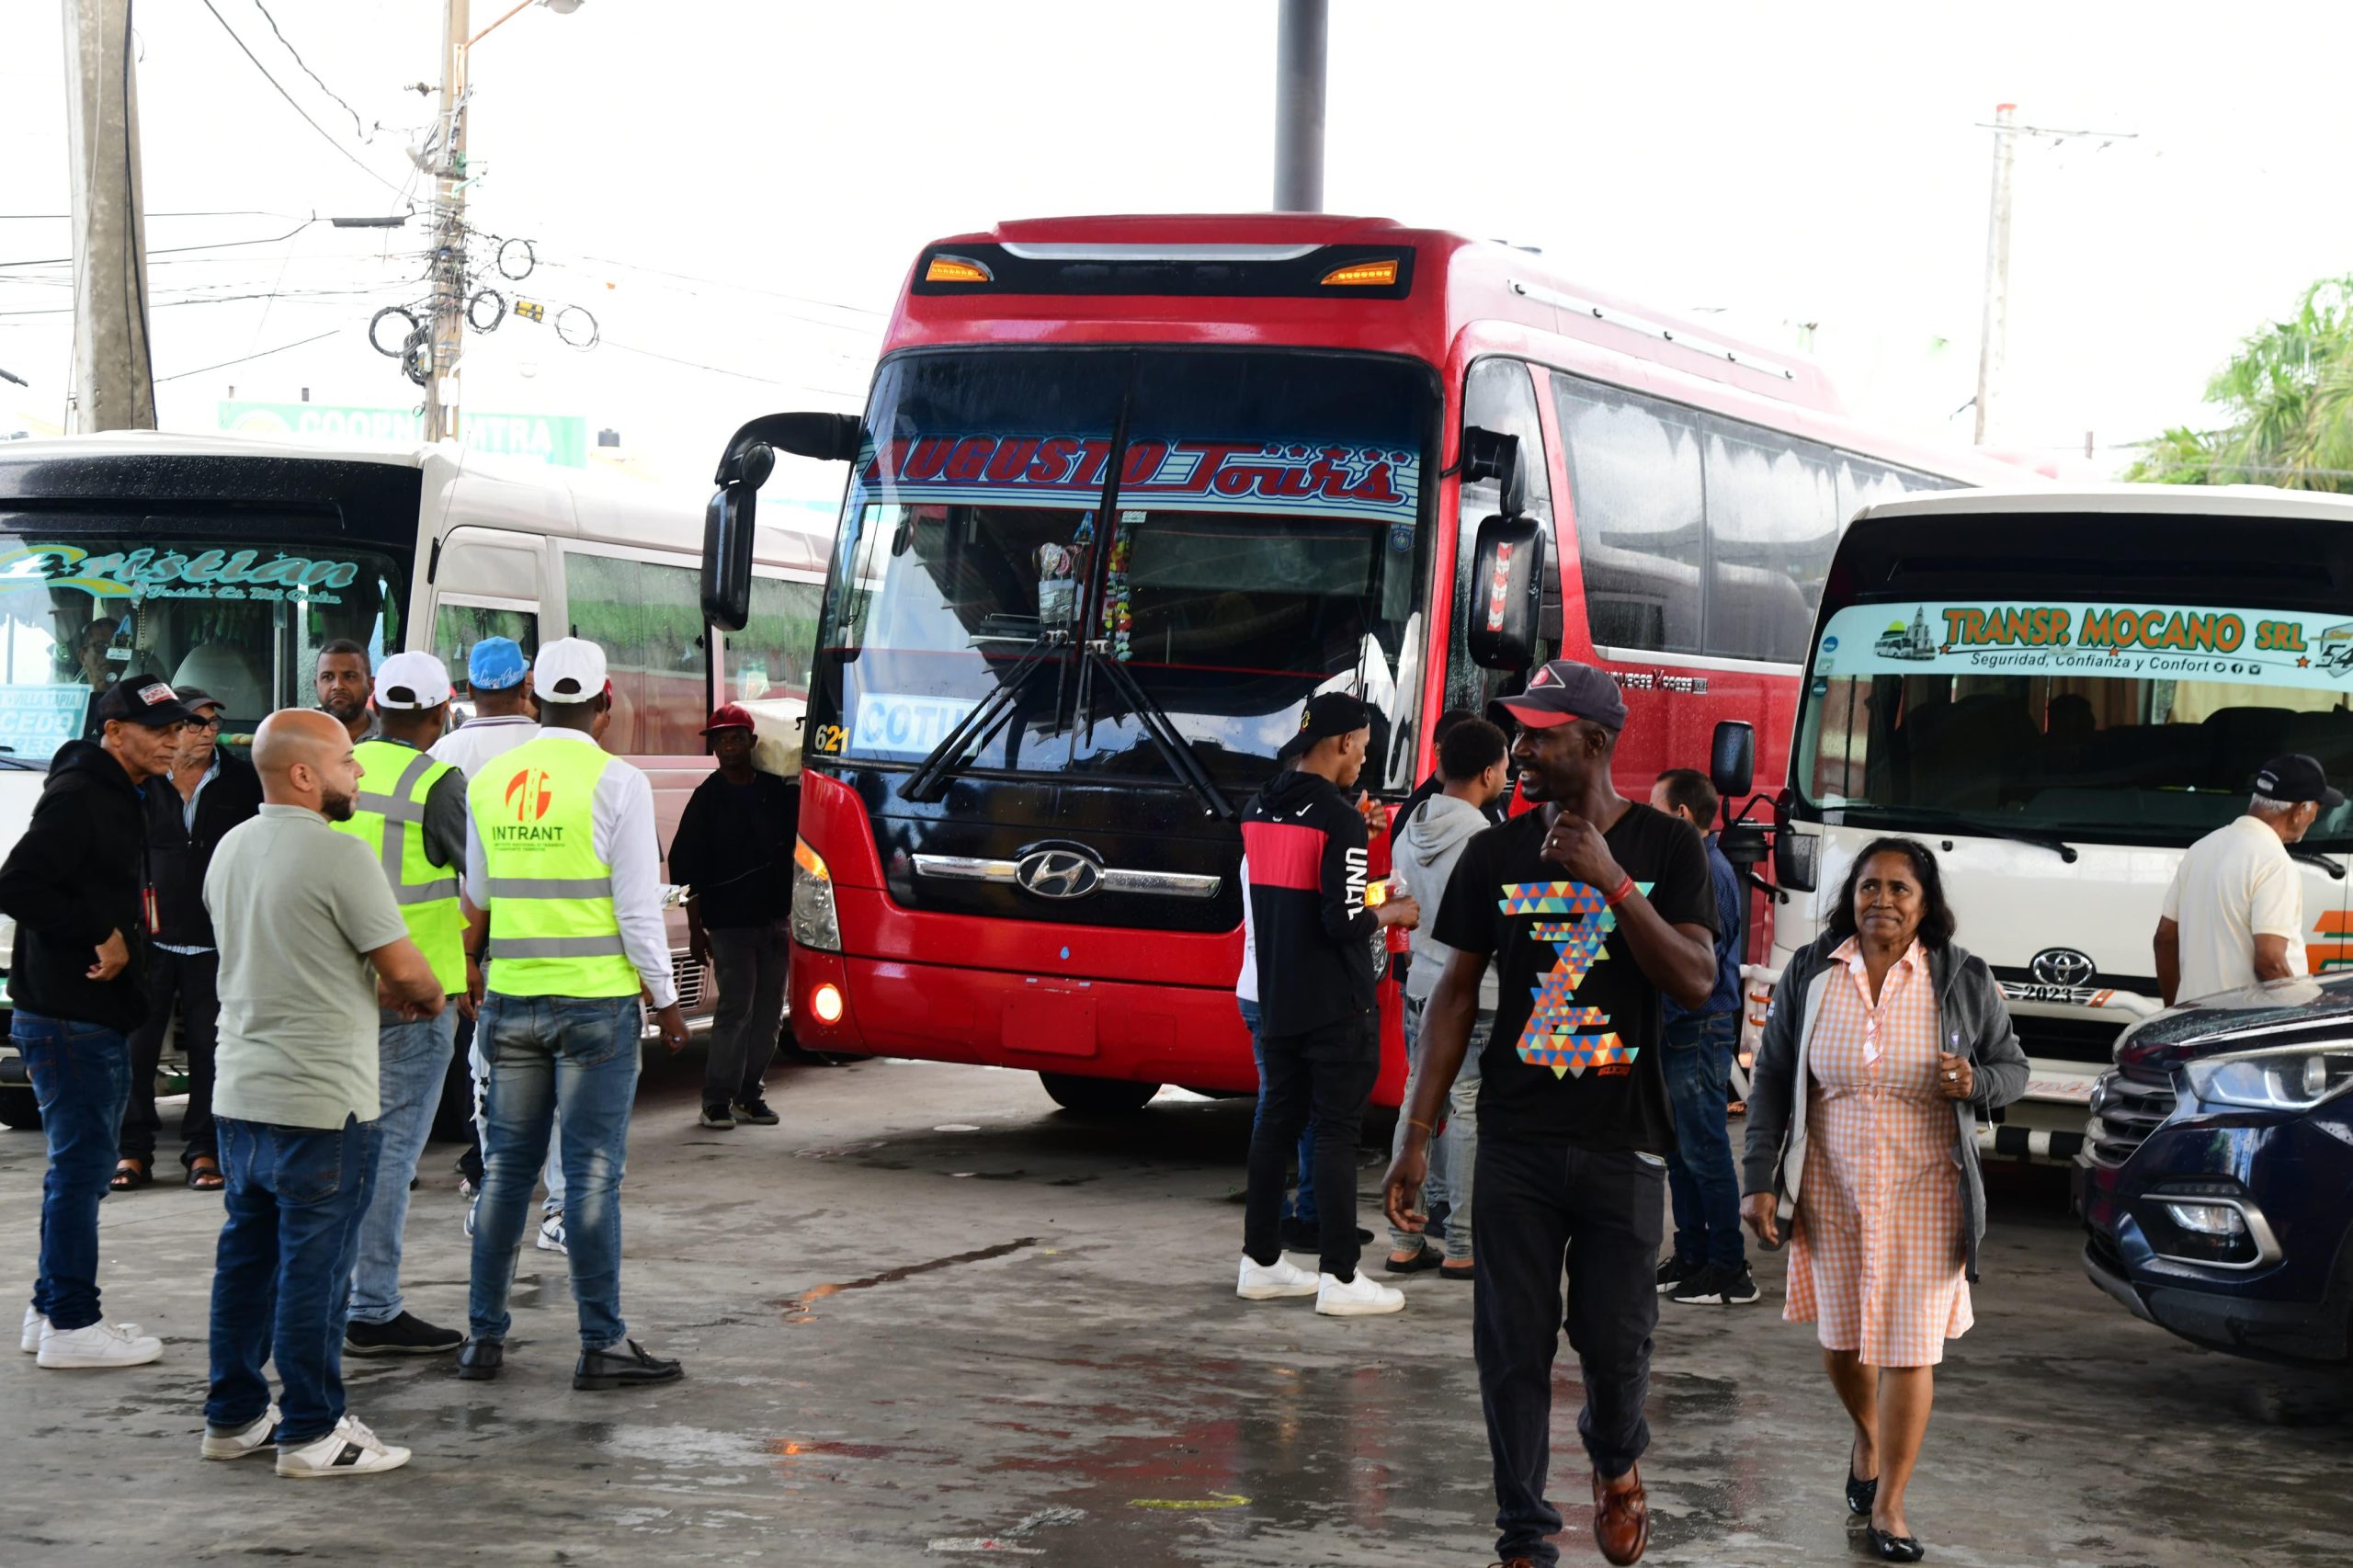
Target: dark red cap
(729, 716)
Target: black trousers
(1326, 1076)
(191, 983)
(1602, 1215)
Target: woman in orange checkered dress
(1885, 1039)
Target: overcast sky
(1801, 162)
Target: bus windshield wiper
(1162, 732)
(2315, 858)
(1962, 822)
(971, 734)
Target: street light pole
(1300, 48)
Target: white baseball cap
(570, 669)
(411, 682)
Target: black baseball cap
(1331, 713)
(143, 701)
(1566, 691)
(2295, 778)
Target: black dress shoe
(612, 1367)
(406, 1335)
(480, 1361)
(1895, 1548)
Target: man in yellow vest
(412, 813)
(560, 855)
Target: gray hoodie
(1427, 852)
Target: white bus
(226, 562)
(2058, 692)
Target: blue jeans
(549, 1055)
(281, 1279)
(1700, 1173)
(411, 1062)
(81, 1077)
(1454, 1152)
(1301, 1209)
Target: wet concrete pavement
(931, 1318)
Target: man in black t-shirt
(1590, 907)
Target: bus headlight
(814, 924)
(2294, 1078)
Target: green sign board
(560, 440)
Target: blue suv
(2217, 1182)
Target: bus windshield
(239, 617)
(2107, 721)
(1267, 541)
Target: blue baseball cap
(497, 663)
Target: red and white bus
(1127, 491)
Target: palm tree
(2288, 396)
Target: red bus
(1127, 491)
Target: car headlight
(814, 923)
(2290, 1078)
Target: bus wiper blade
(973, 732)
(1963, 822)
(20, 764)
(2314, 858)
(1162, 732)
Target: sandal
(204, 1173)
(129, 1172)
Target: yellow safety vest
(553, 928)
(391, 820)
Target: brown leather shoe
(1621, 1520)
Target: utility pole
(113, 385)
(449, 273)
(1992, 337)
(1301, 34)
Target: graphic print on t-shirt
(1552, 1038)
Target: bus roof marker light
(957, 269)
(1379, 274)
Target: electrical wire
(181, 375)
(314, 76)
(175, 250)
(232, 299)
(324, 134)
(722, 370)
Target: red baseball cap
(729, 716)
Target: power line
(741, 287)
(180, 375)
(402, 285)
(324, 134)
(174, 250)
(722, 370)
(356, 126)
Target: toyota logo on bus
(1060, 873)
(2062, 966)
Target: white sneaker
(471, 1209)
(97, 1346)
(550, 1236)
(350, 1450)
(1360, 1298)
(34, 1321)
(1271, 1281)
(247, 1439)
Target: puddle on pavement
(796, 1308)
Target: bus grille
(2124, 1112)
(689, 976)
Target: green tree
(2288, 400)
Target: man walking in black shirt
(1319, 1026)
(1591, 907)
(735, 850)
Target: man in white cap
(560, 855)
(411, 814)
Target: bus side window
(1497, 396)
(647, 616)
(486, 584)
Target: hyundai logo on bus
(1060, 873)
(2062, 966)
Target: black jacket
(72, 880)
(177, 859)
(1314, 937)
(735, 849)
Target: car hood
(2281, 1012)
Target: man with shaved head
(312, 942)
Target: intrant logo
(528, 793)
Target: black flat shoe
(623, 1366)
(1860, 1493)
(480, 1359)
(1895, 1548)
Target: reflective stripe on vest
(553, 931)
(392, 821)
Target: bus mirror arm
(1748, 843)
(1490, 454)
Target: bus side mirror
(727, 557)
(1796, 857)
(1506, 594)
(1731, 759)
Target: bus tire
(18, 1109)
(1098, 1097)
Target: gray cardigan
(1971, 1016)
